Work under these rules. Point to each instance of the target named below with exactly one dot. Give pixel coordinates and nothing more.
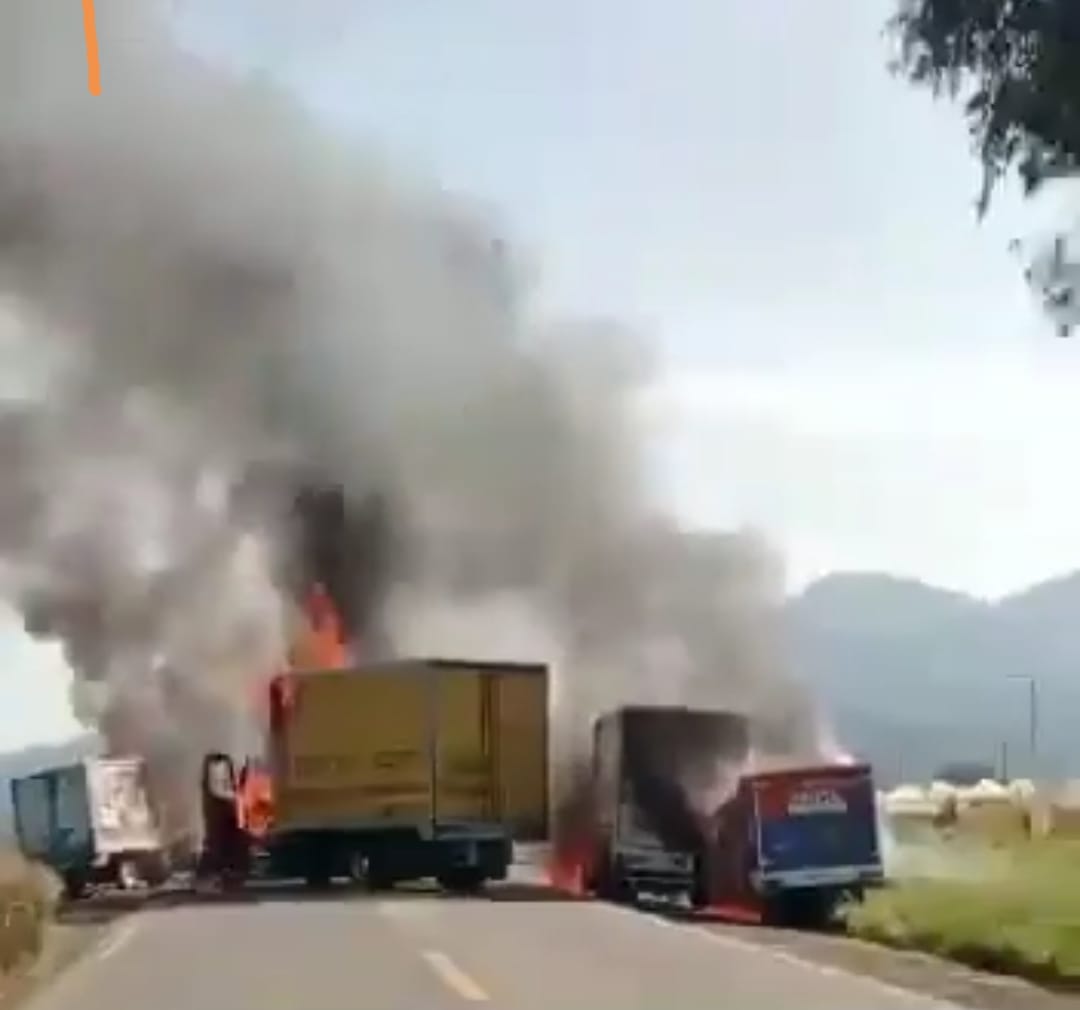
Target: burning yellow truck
(410, 769)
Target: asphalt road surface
(517, 948)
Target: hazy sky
(849, 360)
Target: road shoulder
(913, 971)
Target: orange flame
(321, 644)
(255, 800)
(567, 869)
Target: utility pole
(1033, 714)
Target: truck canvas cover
(816, 827)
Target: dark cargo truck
(791, 845)
(655, 771)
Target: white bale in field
(912, 812)
(906, 794)
(1022, 790)
(941, 788)
(1067, 793)
(909, 801)
(985, 791)
(989, 809)
(1055, 810)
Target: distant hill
(916, 677)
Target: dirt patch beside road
(38, 938)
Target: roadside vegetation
(28, 896)
(1009, 907)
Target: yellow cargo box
(432, 743)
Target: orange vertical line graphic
(93, 62)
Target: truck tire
(74, 885)
(612, 885)
(154, 870)
(357, 868)
(467, 880)
(127, 874)
(805, 910)
(700, 896)
(378, 876)
(317, 876)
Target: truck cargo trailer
(406, 770)
(93, 823)
(654, 771)
(792, 844)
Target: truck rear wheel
(462, 881)
(154, 870)
(807, 910)
(317, 876)
(127, 874)
(612, 885)
(378, 875)
(74, 885)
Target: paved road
(288, 951)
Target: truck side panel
(465, 773)
(817, 827)
(521, 750)
(52, 816)
(352, 750)
(120, 811)
(607, 774)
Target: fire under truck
(784, 846)
(386, 772)
(427, 768)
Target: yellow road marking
(454, 978)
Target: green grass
(28, 896)
(1012, 909)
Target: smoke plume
(214, 304)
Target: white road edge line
(454, 978)
(922, 999)
(827, 970)
(119, 939)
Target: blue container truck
(791, 845)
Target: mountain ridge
(915, 676)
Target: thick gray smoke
(206, 292)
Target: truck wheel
(317, 877)
(154, 870)
(699, 892)
(357, 868)
(465, 881)
(613, 886)
(74, 885)
(379, 877)
(127, 874)
(805, 910)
